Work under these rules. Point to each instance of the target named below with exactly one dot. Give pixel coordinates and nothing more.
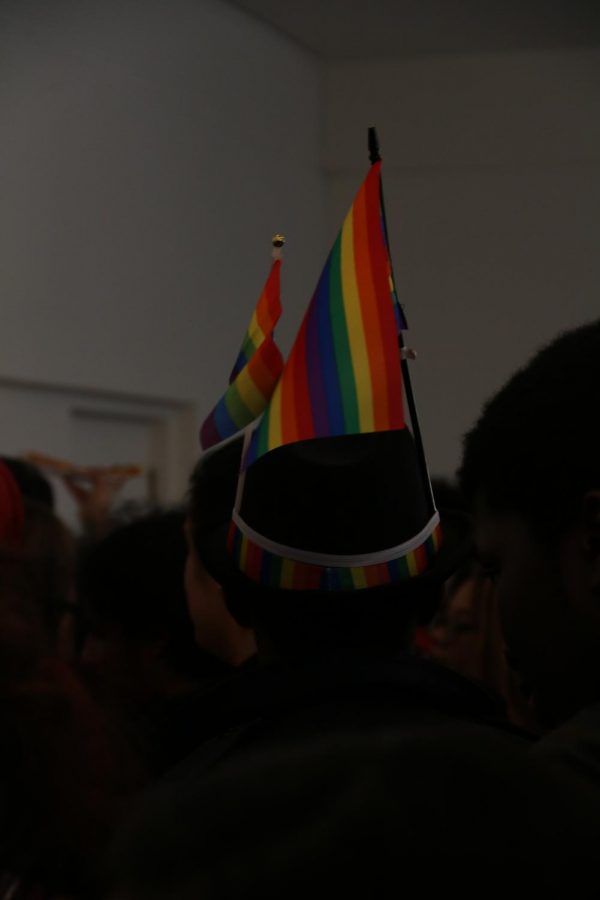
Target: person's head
(140, 641)
(319, 495)
(531, 468)
(215, 628)
(37, 562)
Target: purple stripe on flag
(208, 433)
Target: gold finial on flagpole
(278, 241)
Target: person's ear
(591, 535)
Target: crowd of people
(178, 722)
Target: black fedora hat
(353, 510)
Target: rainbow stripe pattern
(266, 568)
(256, 371)
(343, 375)
(264, 319)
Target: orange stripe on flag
(421, 558)
(268, 308)
(371, 316)
(265, 367)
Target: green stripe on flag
(236, 407)
(341, 342)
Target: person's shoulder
(575, 745)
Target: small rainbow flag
(264, 319)
(343, 375)
(255, 373)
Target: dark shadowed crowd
(175, 725)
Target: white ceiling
(348, 29)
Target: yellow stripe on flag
(274, 412)
(359, 578)
(356, 331)
(255, 331)
(249, 393)
(287, 573)
(411, 561)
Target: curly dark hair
(535, 449)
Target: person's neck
(300, 652)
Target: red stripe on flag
(266, 366)
(253, 561)
(268, 309)
(304, 419)
(421, 558)
(306, 577)
(388, 329)
(296, 415)
(377, 574)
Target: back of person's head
(535, 450)
(37, 577)
(464, 813)
(132, 581)
(294, 619)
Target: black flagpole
(375, 156)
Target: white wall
(92, 428)
(150, 147)
(491, 169)
(149, 150)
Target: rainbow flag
(343, 375)
(264, 319)
(255, 373)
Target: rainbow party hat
(257, 368)
(334, 492)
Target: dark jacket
(343, 692)
(573, 750)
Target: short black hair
(535, 449)
(298, 620)
(133, 579)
